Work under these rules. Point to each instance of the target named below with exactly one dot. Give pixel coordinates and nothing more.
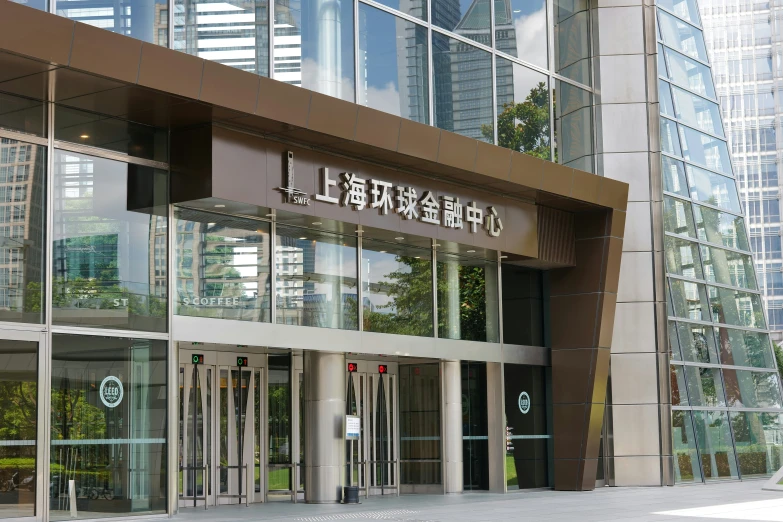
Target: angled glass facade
(727, 421)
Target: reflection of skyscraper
(21, 225)
(234, 33)
(288, 44)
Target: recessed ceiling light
(317, 223)
(471, 251)
(503, 257)
(220, 206)
(399, 238)
(269, 215)
(302, 238)
(84, 136)
(418, 257)
(383, 251)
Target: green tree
(410, 310)
(525, 126)
(779, 358)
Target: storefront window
(686, 456)
(223, 268)
(467, 298)
(314, 46)
(388, 45)
(713, 436)
(475, 440)
(527, 431)
(759, 441)
(109, 241)
(108, 426)
(279, 422)
(523, 305)
(397, 286)
(22, 226)
(316, 279)
(18, 428)
(420, 424)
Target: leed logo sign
(241, 362)
(111, 391)
(524, 402)
(198, 358)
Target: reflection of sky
(530, 30)
(379, 59)
(376, 266)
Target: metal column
(452, 426)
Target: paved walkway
(728, 501)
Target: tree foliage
(524, 126)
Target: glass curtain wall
(378, 55)
(726, 392)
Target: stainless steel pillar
(324, 444)
(496, 427)
(452, 426)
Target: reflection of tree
(18, 410)
(73, 418)
(779, 358)
(525, 126)
(410, 310)
(472, 302)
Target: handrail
(240, 496)
(205, 481)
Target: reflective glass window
(222, 267)
(721, 228)
(468, 18)
(521, 29)
(736, 307)
(682, 257)
(523, 109)
(679, 388)
(523, 305)
(747, 389)
(316, 279)
(393, 65)
(704, 150)
(665, 98)
(674, 343)
(573, 126)
(670, 141)
(685, 9)
(475, 432)
(745, 348)
(697, 111)
(572, 40)
(698, 343)
(108, 425)
(758, 438)
(674, 176)
(467, 298)
(314, 46)
(713, 188)
(232, 32)
(109, 244)
(728, 267)
(279, 421)
(397, 286)
(420, 407)
(35, 4)
(686, 455)
(662, 71)
(678, 217)
(713, 436)
(18, 428)
(690, 74)
(417, 8)
(23, 114)
(689, 300)
(143, 19)
(22, 226)
(682, 36)
(705, 386)
(94, 130)
(462, 87)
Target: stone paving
(726, 501)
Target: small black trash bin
(350, 494)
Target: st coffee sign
(358, 194)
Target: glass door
(380, 432)
(196, 428)
(356, 451)
(19, 373)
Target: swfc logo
(293, 194)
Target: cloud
(386, 99)
(531, 37)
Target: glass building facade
(487, 69)
(727, 420)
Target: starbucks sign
(111, 391)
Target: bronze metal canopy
(577, 224)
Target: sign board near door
(353, 427)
